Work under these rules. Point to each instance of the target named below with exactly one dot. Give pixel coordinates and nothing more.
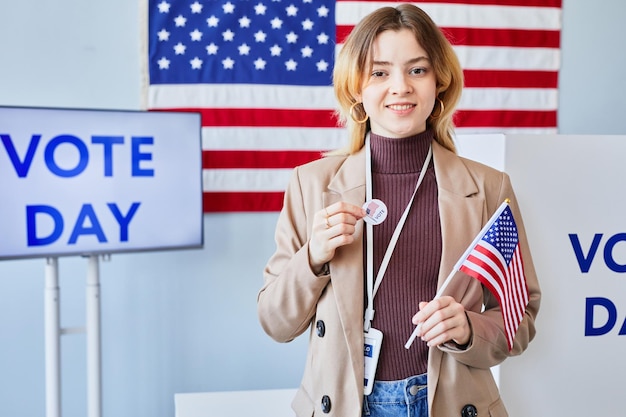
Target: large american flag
(496, 261)
(259, 72)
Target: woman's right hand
(333, 226)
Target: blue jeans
(403, 398)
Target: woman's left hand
(443, 320)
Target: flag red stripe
(521, 280)
(325, 118)
(489, 252)
(490, 271)
(511, 79)
(473, 79)
(533, 3)
(477, 275)
(513, 298)
(505, 118)
(496, 276)
(503, 37)
(518, 284)
(502, 277)
(487, 37)
(257, 159)
(509, 335)
(223, 202)
(263, 117)
(511, 307)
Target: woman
(397, 81)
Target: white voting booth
(572, 196)
(571, 193)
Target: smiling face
(399, 93)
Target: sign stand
(53, 339)
(53, 332)
(94, 362)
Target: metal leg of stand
(94, 363)
(53, 339)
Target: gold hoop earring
(442, 108)
(352, 114)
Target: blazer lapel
(349, 185)
(460, 209)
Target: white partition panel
(572, 196)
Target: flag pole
(458, 265)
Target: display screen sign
(76, 182)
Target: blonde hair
(353, 65)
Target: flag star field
(257, 42)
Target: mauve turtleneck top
(412, 273)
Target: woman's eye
(418, 71)
(378, 73)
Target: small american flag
(496, 261)
(260, 71)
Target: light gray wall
(185, 321)
(592, 85)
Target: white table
(259, 403)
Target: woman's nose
(399, 85)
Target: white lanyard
(372, 287)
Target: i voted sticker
(376, 211)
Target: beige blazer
(293, 299)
